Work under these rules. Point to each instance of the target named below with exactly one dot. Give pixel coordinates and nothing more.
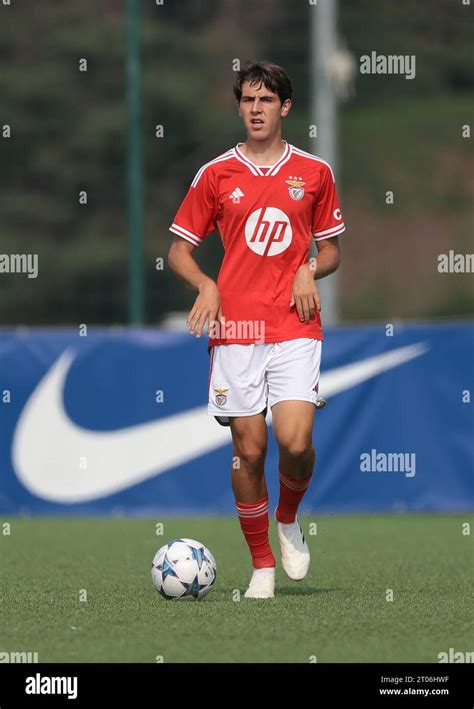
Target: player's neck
(263, 152)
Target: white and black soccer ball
(183, 569)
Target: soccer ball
(183, 570)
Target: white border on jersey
(220, 158)
(185, 234)
(304, 154)
(255, 169)
(328, 233)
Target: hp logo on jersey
(268, 231)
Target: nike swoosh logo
(57, 460)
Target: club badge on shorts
(221, 396)
(296, 190)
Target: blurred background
(107, 110)
(69, 133)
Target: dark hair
(273, 77)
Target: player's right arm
(194, 221)
(206, 306)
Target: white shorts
(245, 379)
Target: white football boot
(262, 584)
(294, 550)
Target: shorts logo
(296, 190)
(221, 396)
(268, 231)
(337, 214)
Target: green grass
(339, 613)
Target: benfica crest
(221, 396)
(296, 189)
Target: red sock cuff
(296, 485)
(253, 518)
(252, 509)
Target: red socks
(291, 494)
(253, 517)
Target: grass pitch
(79, 590)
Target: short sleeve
(196, 217)
(327, 217)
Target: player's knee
(252, 458)
(298, 449)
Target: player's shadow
(286, 590)
(292, 591)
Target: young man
(267, 199)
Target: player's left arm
(304, 293)
(328, 259)
(326, 225)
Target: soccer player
(267, 199)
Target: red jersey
(266, 218)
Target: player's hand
(205, 309)
(304, 293)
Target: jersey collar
(255, 169)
